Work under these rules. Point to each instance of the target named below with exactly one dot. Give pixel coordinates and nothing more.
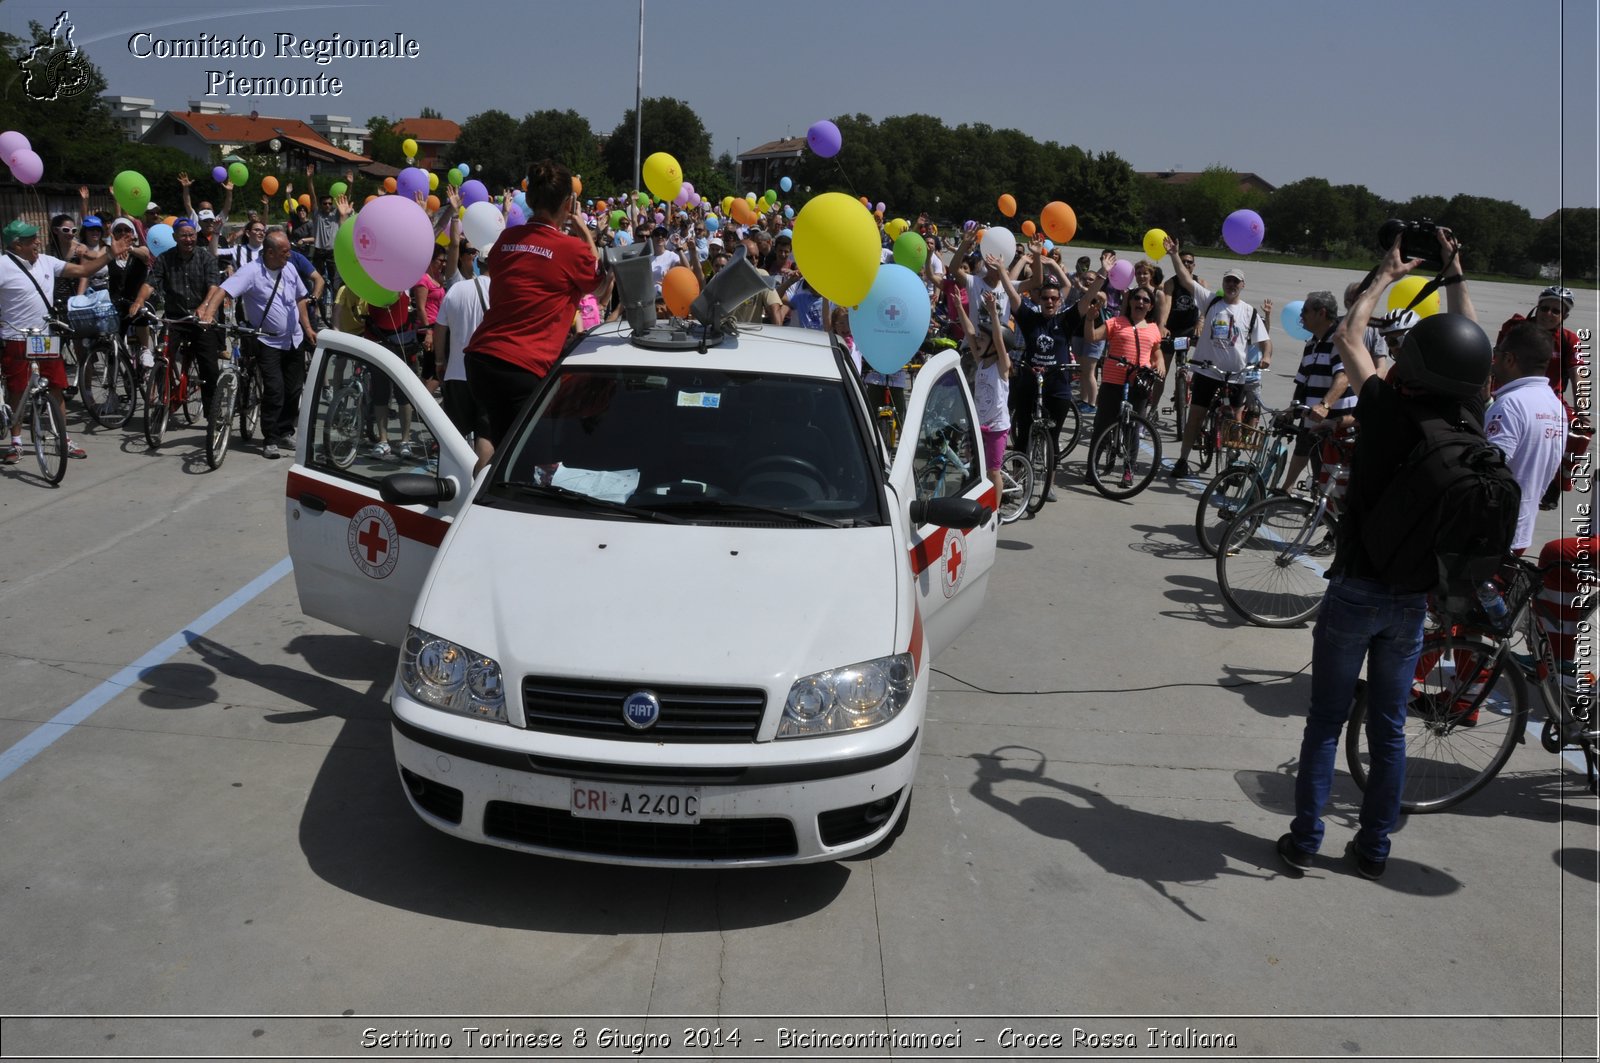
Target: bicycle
(349, 411)
(111, 378)
(238, 386)
(1016, 476)
(1264, 455)
(1130, 444)
(1221, 410)
(1273, 558)
(1462, 721)
(168, 390)
(47, 418)
(1181, 374)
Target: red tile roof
(323, 147)
(429, 130)
(242, 129)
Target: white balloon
(999, 243)
(482, 224)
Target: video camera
(1418, 239)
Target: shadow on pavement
(1274, 692)
(1171, 542)
(359, 833)
(1202, 600)
(1580, 863)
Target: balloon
(1028, 228)
(239, 174)
(1121, 275)
(712, 225)
(617, 219)
(624, 237)
(393, 241)
(837, 249)
(892, 320)
(482, 224)
(26, 166)
(788, 212)
(337, 189)
(823, 138)
(1049, 245)
(642, 201)
(474, 191)
(1000, 243)
(894, 228)
(1405, 290)
(219, 174)
(159, 238)
(577, 185)
(455, 178)
(678, 289)
(1008, 205)
(661, 219)
(443, 239)
(132, 192)
(602, 206)
(169, 219)
(12, 141)
(288, 206)
(662, 175)
(409, 146)
(1289, 318)
(880, 207)
(1059, 221)
(466, 170)
(411, 181)
(682, 198)
(969, 226)
(911, 251)
(1242, 231)
(305, 200)
(432, 204)
(390, 184)
(785, 183)
(1155, 244)
(350, 269)
(515, 215)
(433, 182)
(750, 198)
(269, 185)
(771, 196)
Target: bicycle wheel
(1124, 457)
(341, 429)
(1041, 456)
(1180, 405)
(1068, 432)
(157, 402)
(1272, 563)
(1462, 722)
(219, 423)
(47, 427)
(1210, 441)
(249, 402)
(1016, 485)
(1224, 498)
(107, 385)
(194, 403)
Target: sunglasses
(1188, 263)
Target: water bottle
(1494, 605)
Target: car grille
(688, 714)
(711, 839)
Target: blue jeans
(1360, 620)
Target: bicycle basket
(92, 314)
(1143, 383)
(1236, 435)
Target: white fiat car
(685, 618)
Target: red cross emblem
(892, 312)
(373, 542)
(365, 241)
(953, 563)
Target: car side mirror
(415, 489)
(955, 512)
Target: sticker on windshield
(709, 400)
(374, 543)
(953, 561)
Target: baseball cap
(149, 207)
(661, 230)
(19, 230)
(1236, 274)
(122, 223)
(182, 223)
(206, 215)
(93, 222)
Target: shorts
(1088, 351)
(1204, 389)
(54, 370)
(500, 389)
(994, 447)
(463, 409)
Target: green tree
(1495, 235)
(670, 125)
(1307, 215)
(489, 142)
(429, 112)
(383, 143)
(1567, 239)
(564, 136)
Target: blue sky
(1421, 96)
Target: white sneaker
(147, 359)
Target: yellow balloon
(409, 146)
(836, 247)
(443, 240)
(1406, 289)
(433, 182)
(1155, 244)
(895, 227)
(663, 176)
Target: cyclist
(1321, 382)
(993, 382)
(1048, 328)
(1132, 340)
(1179, 318)
(1566, 352)
(186, 275)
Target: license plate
(44, 345)
(644, 804)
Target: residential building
(210, 136)
(134, 115)
(761, 167)
(338, 130)
(434, 136)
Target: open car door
(360, 562)
(941, 456)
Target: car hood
(577, 597)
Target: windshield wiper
(568, 494)
(699, 505)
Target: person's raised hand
(184, 179)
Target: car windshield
(706, 446)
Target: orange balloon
(305, 200)
(269, 185)
(865, 202)
(369, 199)
(1028, 228)
(577, 185)
(388, 184)
(743, 213)
(433, 204)
(678, 289)
(1008, 205)
(1059, 221)
(600, 204)
(169, 219)
(525, 183)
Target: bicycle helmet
(1555, 291)
(1445, 354)
(1397, 321)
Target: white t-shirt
(661, 263)
(1223, 329)
(991, 393)
(462, 313)
(975, 289)
(1529, 424)
(20, 304)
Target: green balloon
(454, 177)
(352, 272)
(772, 197)
(132, 192)
(238, 173)
(911, 251)
(337, 189)
(617, 218)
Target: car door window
(363, 428)
(947, 461)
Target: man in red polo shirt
(537, 274)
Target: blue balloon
(786, 234)
(1049, 245)
(784, 184)
(712, 224)
(892, 321)
(788, 212)
(159, 239)
(1290, 320)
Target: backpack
(1446, 521)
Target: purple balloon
(219, 174)
(411, 181)
(682, 198)
(26, 166)
(1243, 231)
(823, 138)
(515, 216)
(1121, 275)
(12, 142)
(472, 192)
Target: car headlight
(848, 699)
(447, 676)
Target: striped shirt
(1318, 366)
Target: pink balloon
(682, 198)
(26, 166)
(514, 216)
(12, 142)
(660, 218)
(1121, 274)
(393, 241)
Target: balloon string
(846, 177)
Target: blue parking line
(64, 721)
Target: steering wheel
(785, 470)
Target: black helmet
(1445, 354)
